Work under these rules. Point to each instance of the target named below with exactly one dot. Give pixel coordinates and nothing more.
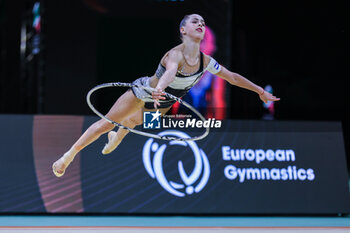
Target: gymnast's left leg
(126, 105)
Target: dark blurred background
(298, 47)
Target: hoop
(118, 84)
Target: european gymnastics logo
(258, 156)
(153, 155)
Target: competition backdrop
(246, 167)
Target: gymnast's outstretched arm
(240, 81)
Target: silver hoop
(118, 84)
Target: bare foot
(112, 143)
(59, 167)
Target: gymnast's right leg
(126, 105)
(115, 138)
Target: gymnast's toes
(58, 168)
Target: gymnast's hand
(266, 96)
(157, 94)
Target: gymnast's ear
(182, 31)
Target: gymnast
(179, 70)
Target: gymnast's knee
(102, 126)
(134, 121)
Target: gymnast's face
(194, 27)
